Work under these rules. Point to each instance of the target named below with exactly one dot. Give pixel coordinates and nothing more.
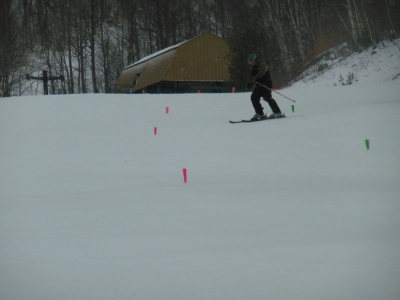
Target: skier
(260, 74)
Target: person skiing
(260, 74)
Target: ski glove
(250, 83)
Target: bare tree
(13, 46)
(90, 41)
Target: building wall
(151, 71)
(203, 59)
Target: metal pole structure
(45, 78)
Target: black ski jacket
(260, 74)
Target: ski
(250, 121)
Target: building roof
(203, 58)
(151, 56)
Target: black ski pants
(259, 92)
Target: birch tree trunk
(273, 9)
(92, 34)
(105, 48)
(352, 19)
(391, 20)
(295, 16)
(372, 40)
(70, 72)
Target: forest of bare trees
(89, 42)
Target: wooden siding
(152, 71)
(203, 58)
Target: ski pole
(275, 92)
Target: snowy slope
(375, 64)
(93, 204)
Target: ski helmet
(252, 57)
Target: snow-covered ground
(378, 64)
(93, 204)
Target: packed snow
(93, 204)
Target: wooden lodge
(197, 64)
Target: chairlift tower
(45, 78)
